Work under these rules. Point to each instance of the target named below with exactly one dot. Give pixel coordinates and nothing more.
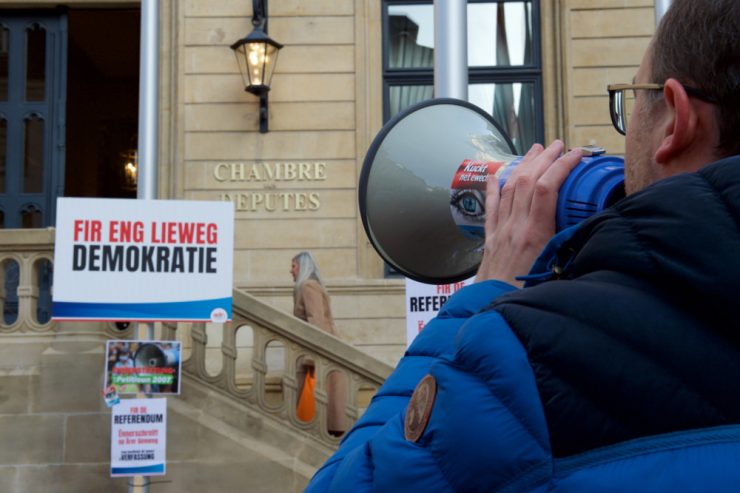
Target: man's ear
(679, 125)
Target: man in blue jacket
(618, 369)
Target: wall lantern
(256, 55)
(130, 170)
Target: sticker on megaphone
(593, 185)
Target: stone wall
(55, 429)
(293, 188)
(604, 42)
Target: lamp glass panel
(270, 60)
(241, 60)
(256, 59)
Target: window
(32, 84)
(504, 63)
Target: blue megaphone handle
(593, 185)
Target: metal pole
(146, 187)
(451, 49)
(148, 98)
(661, 7)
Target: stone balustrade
(26, 259)
(260, 354)
(254, 365)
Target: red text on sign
(184, 233)
(87, 230)
(126, 232)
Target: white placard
(139, 437)
(423, 302)
(149, 260)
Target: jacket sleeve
(435, 343)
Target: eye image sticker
(468, 196)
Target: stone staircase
(232, 428)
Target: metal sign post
(451, 49)
(147, 147)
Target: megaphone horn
(422, 188)
(152, 355)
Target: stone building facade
(295, 187)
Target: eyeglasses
(622, 100)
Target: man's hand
(520, 217)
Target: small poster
(423, 301)
(150, 367)
(138, 437)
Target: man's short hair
(698, 43)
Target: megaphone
(153, 355)
(422, 186)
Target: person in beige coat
(311, 303)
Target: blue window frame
(32, 115)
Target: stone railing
(26, 258)
(252, 361)
(260, 353)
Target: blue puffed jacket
(616, 369)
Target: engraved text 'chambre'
(259, 172)
(268, 174)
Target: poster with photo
(151, 367)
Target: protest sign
(143, 260)
(139, 437)
(423, 302)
